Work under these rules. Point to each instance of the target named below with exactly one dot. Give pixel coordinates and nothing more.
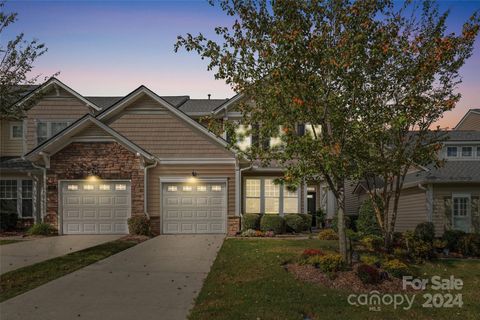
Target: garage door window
(187, 188)
(172, 188)
(88, 187)
(104, 187)
(202, 188)
(72, 187)
(120, 187)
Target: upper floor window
(47, 129)
(244, 141)
(313, 130)
(16, 130)
(467, 151)
(451, 152)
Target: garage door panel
(105, 200)
(71, 200)
(194, 209)
(89, 213)
(93, 208)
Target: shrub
(439, 244)
(327, 234)
(270, 222)
(139, 225)
(396, 268)
(470, 245)
(41, 229)
(453, 238)
(294, 223)
(331, 262)
(367, 222)
(8, 221)
(252, 233)
(320, 218)
(269, 234)
(425, 231)
(307, 221)
(400, 253)
(421, 250)
(251, 221)
(368, 274)
(312, 252)
(372, 242)
(334, 223)
(370, 259)
(398, 240)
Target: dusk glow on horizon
(109, 48)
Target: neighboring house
(447, 196)
(87, 164)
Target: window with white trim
(244, 141)
(451, 152)
(272, 197)
(47, 129)
(16, 130)
(252, 196)
(467, 151)
(16, 196)
(313, 130)
(262, 195)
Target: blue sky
(112, 47)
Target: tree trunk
(342, 236)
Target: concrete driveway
(157, 279)
(21, 254)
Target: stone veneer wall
(107, 160)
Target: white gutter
(145, 187)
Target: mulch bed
(344, 280)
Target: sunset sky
(112, 47)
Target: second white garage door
(197, 208)
(95, 207)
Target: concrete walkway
(21, 254)
(157, 279)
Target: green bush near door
(270, 222)
(251, 221)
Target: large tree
(302, 62)
(17, 57)
(327, 64)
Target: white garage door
(198, 208)
(100, 207)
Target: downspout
(238, 177)
(145, 188)
(43, 193)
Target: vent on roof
(209, 95)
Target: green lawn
(247, 281)
(8, 241)
(24, 279)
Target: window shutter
(475, 212)
(301, 129)
(447, 205)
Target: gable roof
(55, 82)
(474, 110)
(228, 103)
(201, 106)
(63, 137)
(142, 90)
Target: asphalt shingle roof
(16, 164)
(201, 105)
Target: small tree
(17, 57)
(417, 71)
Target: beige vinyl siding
(93, 131)
(9, 147)
(439, 193)
(163, 134)
(185, 171)
(471, 122)
(53, 107)
(412, 209)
